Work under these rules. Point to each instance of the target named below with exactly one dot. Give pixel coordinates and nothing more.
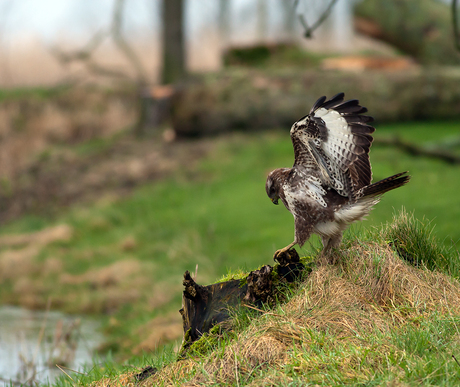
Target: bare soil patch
(63, 177)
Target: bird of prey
(329, 186)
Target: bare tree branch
(85, 54)
(117, 25)
(455, 25)
(309, 30)
(415, 150)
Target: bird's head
(273, 184)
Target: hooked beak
(274, 201)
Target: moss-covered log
(206, 306)
(255, 99)
(422, 28)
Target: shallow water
(32, 337)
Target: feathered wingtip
(385, 185)
(351, 111)
(350, 107)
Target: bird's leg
(325, 241)
(335, 241)
(327, 255)
(283, 250)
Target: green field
(373, 319)
(126, 257)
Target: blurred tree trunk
(224, 22)
(173, 41)
(342, 25)
(262, 17)
(289, 19)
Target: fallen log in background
(250, 100)
(422, 28)
(416, 150)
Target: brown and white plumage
(329, 186)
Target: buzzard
(329, 186)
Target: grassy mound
(375, 318)
(122, 257)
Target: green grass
(31, 92)
(310, 338)
(109, 368)
(432, 192)
(277, 56)
(217, 217)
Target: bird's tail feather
(386, 185)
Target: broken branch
(417, 150)
(309, 30)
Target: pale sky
(53, 19)
(31, 29)
(73, 18)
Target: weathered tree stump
(259, 285)
(206, 306)
(290, 266)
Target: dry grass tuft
(158, 332)
(371, 288)
(17, 260)
(255, 351)
(127, 379)
(129, 243)
(106, 276)
(62, 232)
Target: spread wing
(331, 144)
